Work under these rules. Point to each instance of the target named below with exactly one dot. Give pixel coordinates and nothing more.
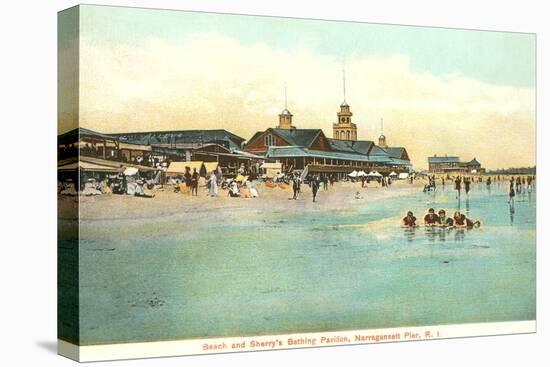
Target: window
(347, 135)
(336, 135)
(268, 140)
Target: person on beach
(315, 183)
(511, 194)
(467, 185)
(213, 185)
(187, 178)
(488, 182)
(444, 221)
(252, 189)
(460, 221)
(331, 180)
(296, 186)
(195, 183)
(431, 219)
(409, 220)
(458, 186)
(325, 182)
(233, 190)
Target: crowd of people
(518, 185)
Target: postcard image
(232, 183)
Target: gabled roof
(256, 134)
(298, 137)
(395, 152)
(445, 159)
(474, 162)
(363, 146)
(376, 150)
(341, 145)
(349, 146)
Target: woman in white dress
(252, 189)
(213, 182)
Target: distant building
(452, 164)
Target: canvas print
(232, 183)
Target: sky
(439, 91)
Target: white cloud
(212, 81)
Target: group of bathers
(431, 219)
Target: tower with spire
(344, 129)
(382, 138)
(285, 117)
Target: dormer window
(268, 140)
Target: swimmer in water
(445, 221)
(431, 219)
(460, 221)
(409, 221)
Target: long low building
(150, 149)
(334, 161)
(452, 164)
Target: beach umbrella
(130, 171)
(393, 173)
(361, 173)
(374, 174)
(353, 174)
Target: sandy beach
(167, 203)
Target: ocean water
(275, 273)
